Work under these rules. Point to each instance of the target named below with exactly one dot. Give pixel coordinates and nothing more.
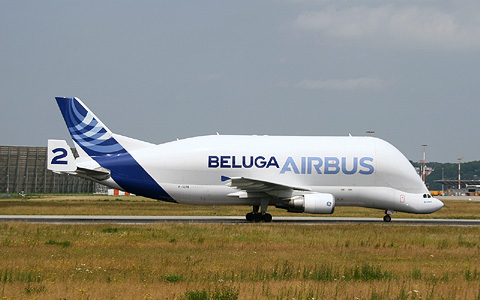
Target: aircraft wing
(253, 188)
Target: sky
(162, 70)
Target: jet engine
(318, 203)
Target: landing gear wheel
(267, 218)
(256, 216)
(387, 218)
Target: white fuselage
(300, 174)
(358, 171)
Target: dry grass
(257, 261)
(253, 261)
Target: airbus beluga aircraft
(299, 174)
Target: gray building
(24, 169)
(468, 187)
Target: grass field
(225, 261)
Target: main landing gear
(387, 217)
(256, 216)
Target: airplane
(302, 174)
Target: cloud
(363, 83)
(411, 27)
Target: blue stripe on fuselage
(132, 177)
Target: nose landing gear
(387, 217)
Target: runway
(80, 219)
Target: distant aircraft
(299, 174)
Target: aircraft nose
(436, 204)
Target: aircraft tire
(250, 217)
(267, 218)
(387, 218)
(258, 217)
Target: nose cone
(424, 205)
(436, 204)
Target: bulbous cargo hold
(300, 174)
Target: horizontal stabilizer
(60, 157)
(98, 174)
(61, 160)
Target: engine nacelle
(318, 203)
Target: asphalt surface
(71, 219)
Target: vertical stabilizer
(107, 153)
(86, 129)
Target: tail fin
(90, 134)
(86, 129)
(106, 156)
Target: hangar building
(24, 170)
